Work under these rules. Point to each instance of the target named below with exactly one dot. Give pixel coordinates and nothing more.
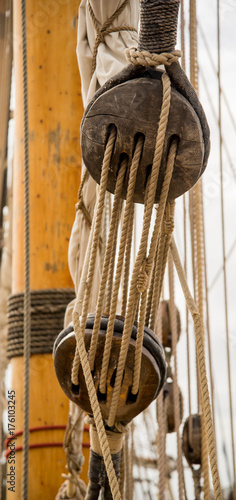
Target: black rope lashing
(158, 25)
(47, 319)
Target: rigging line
(208, 328)
(216, 72)
(223, 248)
(27, 260)
(199, 245)
(215, 279)
(217, 120)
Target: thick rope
(206, 407)
(107, 260)
(127, 264)
(200, 304)
(174, 328)
(224, 252)
(105, 30)
(27, 260)
(93, 254)
(113, 482)
(110, 278)
(74, 487)
(134, 292)
(139, 57)
(162, 254)
(120, 262)
(161, 437)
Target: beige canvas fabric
(109, 61)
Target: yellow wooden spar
(55, 111)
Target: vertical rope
(161, 426)
(174, 328)
(107, 261)
(199, 234)
(93, 255)
(223, 249)
(187, 322)
(27, 261)
(206, 407)
(120, 261)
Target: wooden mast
(55, 111)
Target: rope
(112, 263)
(162, 254)
(202, 372)
(174, 328)
(107, 261)
(134, 294)
(74, 486)
(224, 252)
(144, 58)
(79, 327)
(105, 30)
(161, 438)
(27, 259)
(91, 256)
(158, 25)
(120, 262)
(131, 230)
(47, 312)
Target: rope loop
(144, 58)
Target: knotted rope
(139, 57)
(105, 30)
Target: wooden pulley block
(168, 397)
(166, 324)
(192, 441)
(132, 102)
(153, 369)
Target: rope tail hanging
(112, 366)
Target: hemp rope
(93, 253)
(161, 437)
(127, 263)
(199, 235)
(206, 407)
(110, 278)
(162, 254)
(134, 292)
(79, 332)
(200, 302)
(105, 30)
(224, 252)
(144, 58)
(120, 262)
(160, 277)
(187, 323)
(74, 487)
(174, 329)
(107, 261)
(26, 400)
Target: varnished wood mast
(55, 111)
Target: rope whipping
(26, 259)
(47, 311)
